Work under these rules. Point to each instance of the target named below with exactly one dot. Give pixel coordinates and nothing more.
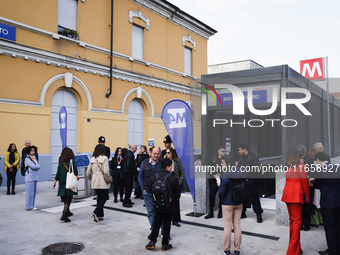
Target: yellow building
(60, 56)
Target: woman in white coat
(99, 165)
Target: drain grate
(63, 248)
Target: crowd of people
(158, 175)
(301, 193)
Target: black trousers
(253, 196)
(11, 178)
(165, 220)
(128, 184)
(118, 185)
(213, 189)
(331, 223)
(177, 211)
(308, 210)
(138, 190)
(102, 196)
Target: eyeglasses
(168, 152)
(223, 151)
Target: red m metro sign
(312, 68)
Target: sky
(270, 32)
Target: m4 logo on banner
(177, 118)
(312, 68)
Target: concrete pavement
(125, 230)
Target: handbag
(107, 176)
(71, 179)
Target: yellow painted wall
(38, 13)
(25, 122)
(162, 42)
(25, 79)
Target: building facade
(60, 56)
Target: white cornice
(48, 58)
(140, 15)
(188, 39)
(179, 19)
(93, 47)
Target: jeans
(150, 208)
(31, 191)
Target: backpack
(162, 193)
(237, 190)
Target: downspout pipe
(111, 50)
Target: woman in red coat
(295, 193)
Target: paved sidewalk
(124, 230)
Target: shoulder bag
(107, 176)
(71, 179)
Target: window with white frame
(67, 14)
(187, 60)
(137, 41)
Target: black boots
(259, 217)
(68, 213)
(209, 215)
(219, 215)
(64, 217)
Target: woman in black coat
(142, 155)
(117, 175)
(178, 171)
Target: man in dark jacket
(330, 203)
(101, 140)
(24, 154)
(129, 168)
(164, 216)
(167, 144)
(248, 159)
(213, 188)
(146, 178)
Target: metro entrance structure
(272, 141)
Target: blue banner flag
(177, 118)
(63, 126)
